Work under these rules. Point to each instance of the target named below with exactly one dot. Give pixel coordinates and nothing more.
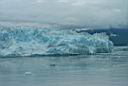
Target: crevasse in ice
(31, 40)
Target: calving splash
(29, 40)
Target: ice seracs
(31, 40)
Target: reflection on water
(90, 70)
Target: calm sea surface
(85, 70)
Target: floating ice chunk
(28, 73)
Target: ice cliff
(25, 40)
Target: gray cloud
(79, 12)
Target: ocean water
(48, 55)
(83, 70)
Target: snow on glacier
(26, 40)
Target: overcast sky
(79, 12)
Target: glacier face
(25, 40)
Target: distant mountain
(119, 36)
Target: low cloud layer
(78, 12)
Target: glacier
(29, 40)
